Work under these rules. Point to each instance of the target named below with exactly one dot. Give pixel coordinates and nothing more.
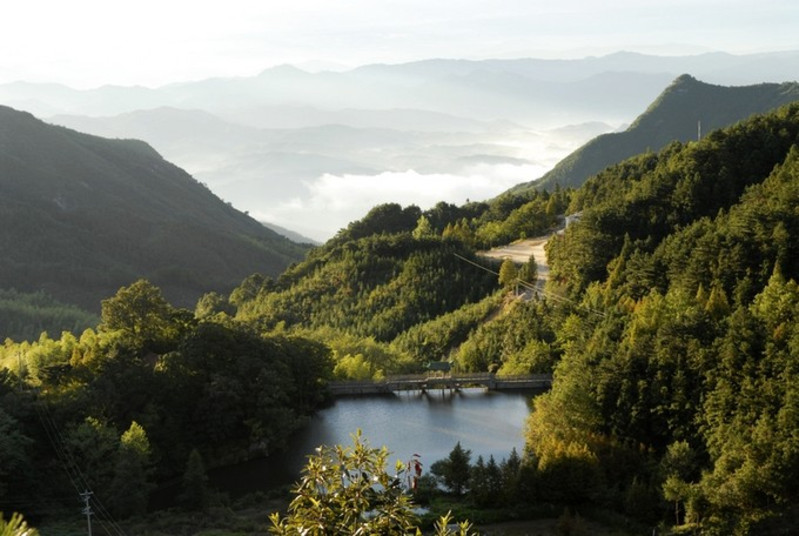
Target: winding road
(521, 250)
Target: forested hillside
(148, 392)
(408, 281)
(153, 390)
(669, 321)
(678, 376)
(82, 216)
(686, 110)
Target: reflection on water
(428, 424)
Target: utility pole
(699, 130)
(87, 509)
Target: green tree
(679, 467)
(423, 228)
(479, 490)
(455, 470)
(196, 494)
(717, 305)
(485, 482)
(552, 208)
(94, 445)
(14, 454)
(529, 271)
(347, 490)
(249, 289)
(130, 489)
(508, 273)
(510, 470)
(494, 475)
(213, 303)
(140, 311)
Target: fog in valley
(307, 114)
(313, 151)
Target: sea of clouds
(331, 201)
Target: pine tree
(454, 471)
(508, 274)
(131, 486)
(196, 494)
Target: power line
(461, 257)
(534, 288)
(74, 473)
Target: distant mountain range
(81, 216)
(685, 111)
(261, 168)
(286, 142)
(523, 90)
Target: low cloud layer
(333, 201)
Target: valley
(156, 334)
(314, 151)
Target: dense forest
(122, 407)
(678, 371)
(669, 323)
(151, 389)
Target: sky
(89, 43)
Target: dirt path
(521, 251)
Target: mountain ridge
(363, 85)
(83, 215)
(685, 110)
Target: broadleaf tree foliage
(669, 321)
(348, 490)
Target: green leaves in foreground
(346, 490)
(16, 526)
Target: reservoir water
(428, 424)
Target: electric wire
(533, 287)
(71, 467)
(79, 480)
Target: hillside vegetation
(670, 323)
(82, 216)
(153, 390)
(686, 110)
(677, 379)
(407, 278)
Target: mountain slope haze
(685, 109)
(82, 215)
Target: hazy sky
(86, 43)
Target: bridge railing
(407, 380)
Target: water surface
(428, 424)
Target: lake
(428, 424)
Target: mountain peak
(684, 79)
(285, 69)
(685, 109)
